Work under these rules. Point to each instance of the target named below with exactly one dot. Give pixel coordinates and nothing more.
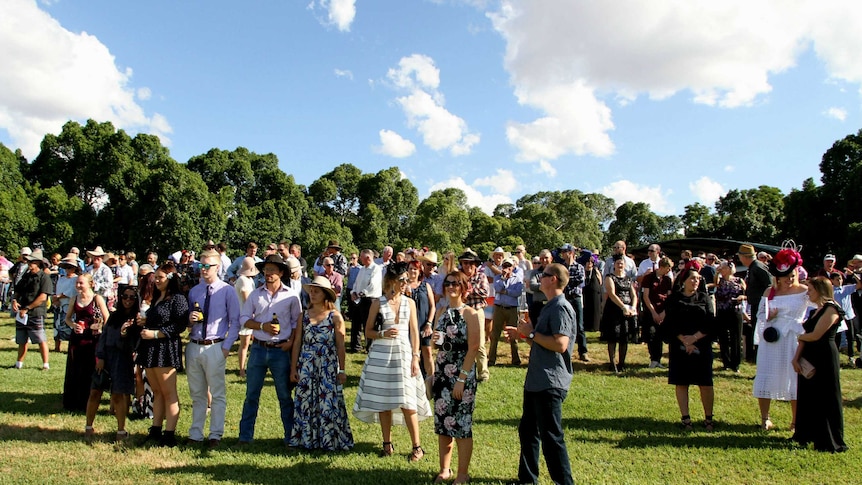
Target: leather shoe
(213, 443)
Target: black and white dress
(171, 316)
(386, 383)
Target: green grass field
(618, 430)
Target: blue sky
(668, 103)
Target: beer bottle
(274, 322)
(198, 309)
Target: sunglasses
(206, 267)
(449, 283)
(329, 264)
(129, 297)
(546, 275)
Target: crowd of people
(126, 324)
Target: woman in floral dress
(319, 414)
(457, 338)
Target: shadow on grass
(22, 403)
(853, 403)
(296, 473)
(36, 434)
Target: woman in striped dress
(391, 378)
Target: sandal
(417, 454)
(686, 423)
(709, 424)
(388, 449)
(440, 478)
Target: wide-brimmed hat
(97, 252)
(333, 244)
(35, 256)
(293, 264)
(273, 259)
(428, 257)
(785, 262)
(248, 268)
(26, 251)
(469, 255)
(69, 261)
(498, 250)
(321, 282)
(746, 250)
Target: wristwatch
(532, 334)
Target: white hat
(26, 251)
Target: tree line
(93, 184)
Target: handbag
(770, 334)
(378, 322)
(807, 368)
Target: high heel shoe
(417, 454)
(388, 449)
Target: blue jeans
(577, 303)
(542, 423)
(277, 362)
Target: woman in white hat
(319, 414)
(244, 285)
(63, 293)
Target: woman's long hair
(147, 286)
(121, 314)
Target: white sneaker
(19, 365)
(45, 366)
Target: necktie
(207, 310)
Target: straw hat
(97, 252)
(248, 268)
(323, 283)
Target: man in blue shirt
(549, 375)
(508, 287)
(272, 344)
(215, 327)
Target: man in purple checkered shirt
(573, 292)
(470, 262)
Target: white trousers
(205, 366)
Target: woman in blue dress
(319, 413)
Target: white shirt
(369, 281)
(646, 265)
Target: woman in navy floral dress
(319, 413)
(454, 385)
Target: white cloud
(503, 181)
(424, 106)
(144, 94)
(393, 145)
(51, 75)
(344, 73)
(706, 190)
(416, 71)
(839, 114)
(729, 168)
(566, 58)
(339, 13)
(474, 198)
(627, 191)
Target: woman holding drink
(160, 353)
(85, 317)
(114, 363)
(390, 378)
(457, 338)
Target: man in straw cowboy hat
(29, 305)
(273, 342)
(757, 280)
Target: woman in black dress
(86, 313)
(620, 313)
(689, 329)
(160, 351)
(115, 371)
(819, 413)
(592, 291)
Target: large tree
(635, 224)
(17, 216)
(751, 215)
(442, 221)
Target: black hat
(394, 270)
(585, 256)
(469, 255)
(273, 259)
